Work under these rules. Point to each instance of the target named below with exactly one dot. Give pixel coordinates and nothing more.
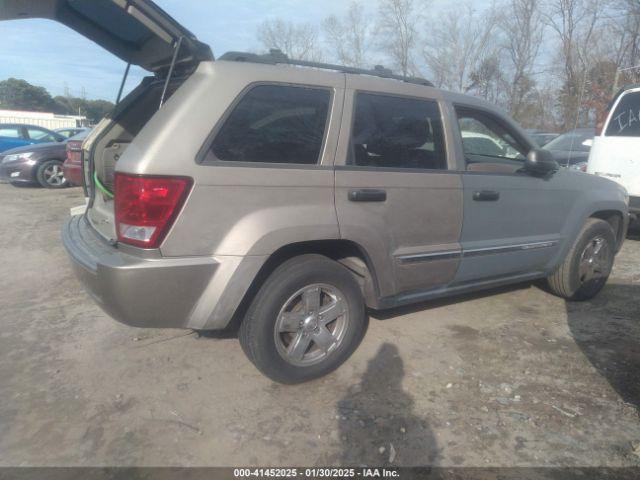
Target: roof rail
(275, 57)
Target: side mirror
(588, 142)
(541, 162)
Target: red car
(72, 166)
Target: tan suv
(288, 197)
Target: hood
(565, 156)
(37, 147)
(137, 31)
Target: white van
(616, 151)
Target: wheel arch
(346, 252)
(615, 218)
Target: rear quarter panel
(237, 209)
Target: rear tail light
(145, 207)
(74, 149)
(74, 145)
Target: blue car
(16, 135)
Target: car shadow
(607, 330)
(231, 331)
(377, 425)
(26, 186)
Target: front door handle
(486, 196)
(367, 195)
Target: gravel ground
(513, 377)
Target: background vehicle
(616, 151)
(485, 144)
(572, 149)
(70, 132)
(72, 166)
(542, 138)
(18, 135)
(37, 164)
(296, 197)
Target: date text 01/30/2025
(315, 473)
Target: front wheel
(50, 174)
(306, 320)
(588, 264)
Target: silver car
(285, 198)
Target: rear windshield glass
(112, 18)
(625, 121)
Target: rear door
(396, 194)
(616, 153)
(513, 221)
(137, 31)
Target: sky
(48, 54)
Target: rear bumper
(73, 173)
(634, 205)
(191, 292)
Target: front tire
(50, 174)
(588, 264)
(305, 321)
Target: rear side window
(10, 132)
(625, 121)
(275, 124)
(397, 132)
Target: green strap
(100, 186)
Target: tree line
(552, 64)
(18, 94)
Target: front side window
(485, 139)
(625, 121)
(397, 132)
(275, 124)
(40, 135)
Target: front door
(513, 221)
(395, 193)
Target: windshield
(625, 121)
(571, 141)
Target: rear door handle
(486, 196)
(367, 195)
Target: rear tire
(289, 332)
(588, 264)
(50, 174)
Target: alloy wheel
(54, 175)
(595, 261)
(311, 325)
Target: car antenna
(170, 73)
(124, 79)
